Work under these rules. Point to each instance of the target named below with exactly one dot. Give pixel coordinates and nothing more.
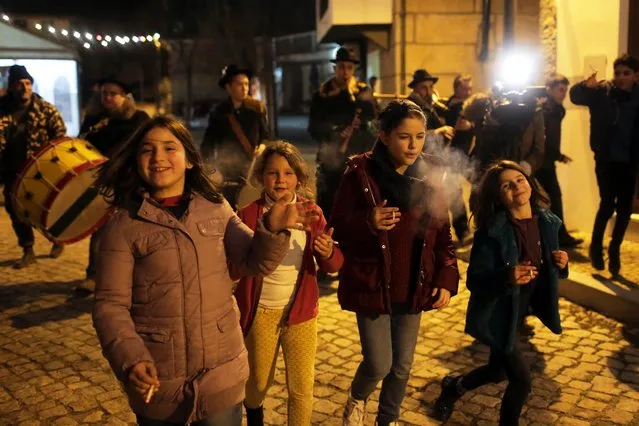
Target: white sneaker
(354, 412)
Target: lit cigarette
(149, 394)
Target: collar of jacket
(500, 231)
(151, 210)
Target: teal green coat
(493, 309)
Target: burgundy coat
(364, 285)
(305, 302)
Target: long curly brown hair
(118, 179)
(488, 203)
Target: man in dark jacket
(110, 121)
(340, 121)
(27, 123)
(614, 139)
(113, 118)
(236, 132)
(554, 112)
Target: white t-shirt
(278, 288)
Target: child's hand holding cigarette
(144, 378)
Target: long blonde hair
(295, 160)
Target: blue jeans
(388, 345)
(231, 417)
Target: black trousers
(328, 180)
(23, 231)
(513, 367)
(547, 177)
(616, 183)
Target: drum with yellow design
(54, 192)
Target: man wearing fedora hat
(341, 116)
(236, 132)
(423, 86)
(111, 118)
(27, 122)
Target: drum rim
(59, 186)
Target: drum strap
(239, 133)
(73, 212)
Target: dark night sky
(300, 15)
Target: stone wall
(444, 36)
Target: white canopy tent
(53, 67)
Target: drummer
(27, 122)
(111, 118)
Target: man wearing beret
(340, 121)
(236, 132)
(27, 123)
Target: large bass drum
(54, 192)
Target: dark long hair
(488, 203)
(118, 179)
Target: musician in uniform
(236, 132)
(341, 122)
(27, 123)
(112, 117)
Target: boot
(595, 252)
(28, 258)
(451, 392)
(354, 412)
(568, 241)
(56, 250)
(614, 261)
(254, 416)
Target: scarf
(403, 191)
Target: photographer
(508, 126)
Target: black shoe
(254, 416)
(596, 257)
(28, 258)
(56, 251)
(568, 241)
(614, 261)
(446, 402)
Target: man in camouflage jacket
(27, 123)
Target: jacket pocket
(159, 343)
(213, 228)
(362, 275)
(231, 340)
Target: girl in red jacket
(393, 228)
(281, 308)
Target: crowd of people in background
(195, 294)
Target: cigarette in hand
(149, 394)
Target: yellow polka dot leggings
(299, 343)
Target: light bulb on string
(64, 33)
(149, 38)
(88, 36)
(38, 27)
(5, 18)
(98, 37)
(107, 38)
(77, 34)
(127, 39)
(104, 43)
(156, 36)
(86, 45)
(135, 39)
(51, 29)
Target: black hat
(117, 81)
(17, 73)
(231, 71)
(422, 75)
(345, 55)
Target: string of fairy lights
(89, 39)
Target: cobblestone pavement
(52, 371)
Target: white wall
(46, 72)
(588, 35)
